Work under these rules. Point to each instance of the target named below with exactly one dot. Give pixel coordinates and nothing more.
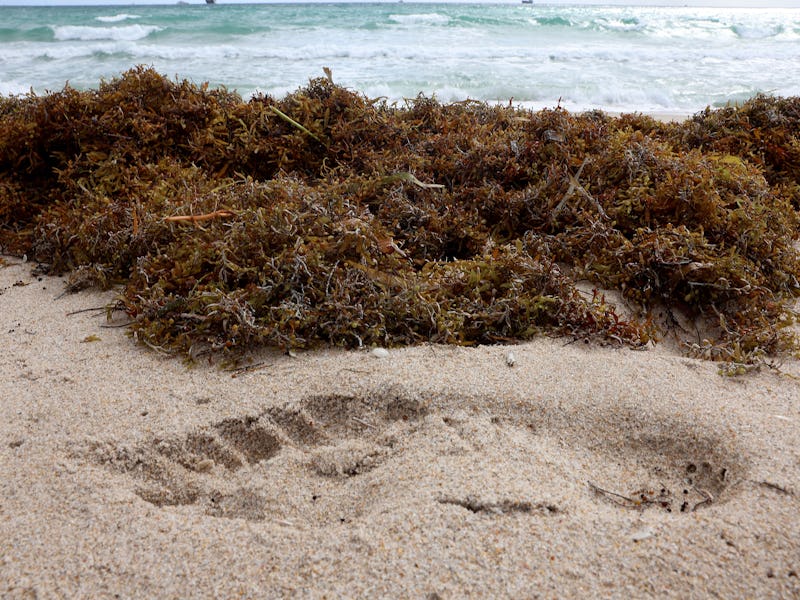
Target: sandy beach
(433, 472)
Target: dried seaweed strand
(217, 214)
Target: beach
(433, 472)
(468, 334)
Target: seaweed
(329, 218)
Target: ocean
(652, 59)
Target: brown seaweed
(330, 218)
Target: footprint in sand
(340, 437)
(228, 468)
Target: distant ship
(523, 1)
(211, 1)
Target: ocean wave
(619, 24)
(789, 35)
(116, 18)
(754, 32)
(646, 57)
(484, 21)
(550, 21)
(601, 24)
(420, 19)
(697, 32)
(575, 98)
(33, 34)
(13, 88)
(664, 24)
(389, 57)
(128, 33)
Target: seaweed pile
(329, 218)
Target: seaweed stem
(206, 217)
(291, 121)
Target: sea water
(653, 59)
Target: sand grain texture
(436, 472)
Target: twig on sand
(599, 490)
(249, 368)
(363, 422)
(776, 487)
(83, 310)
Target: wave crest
(128, 33)
(420, 19)
(116, 18)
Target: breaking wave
(116, 18)
(127, 33)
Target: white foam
(13, 88)
(420, 19)
(116, 18)
(755, 32)
(620, 25)
(128, 33)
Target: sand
(663, 116)
(433, 472)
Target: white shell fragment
(511, 360)
(380, 352)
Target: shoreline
(437, 471)
(662, 116)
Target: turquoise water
(614, 58)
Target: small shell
(511, 360)
(380, 352)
